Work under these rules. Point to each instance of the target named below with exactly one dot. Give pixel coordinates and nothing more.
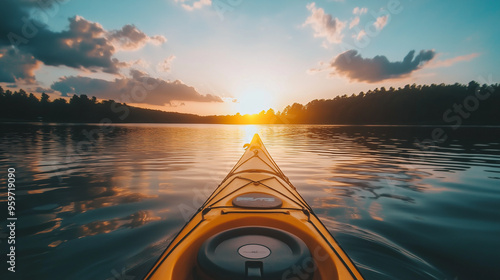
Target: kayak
(254, 226)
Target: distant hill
(414, 104)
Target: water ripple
(399, 210)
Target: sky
(217, 57)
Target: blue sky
(228, 56)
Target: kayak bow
(255, 225)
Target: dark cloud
(83, 45)
(46, 90)
(16, 66)
(139, 88)
(357, 68)
(11, 18)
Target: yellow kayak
(254, 226)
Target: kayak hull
(256, 173)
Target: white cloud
(381, 22)
(140, 62)
(359, 11)
(360, 35)
(324, 25)
(354, 22)
(166, 65)
(195, 5)
(451, 61)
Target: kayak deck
(256, 193)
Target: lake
(103, 202)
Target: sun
(254, 101)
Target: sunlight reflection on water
(399, 212)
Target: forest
(455, 104)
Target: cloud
(166, 64)
(359, 11)
(381, 22)
(17, 67)
(356, 68)
(131, 38)
(42, 90)
(360, 35)
(195, 5)
(11, 13)
(354, 22)
(83, 45)
(324, 25)
(138, 88)
(451, 61)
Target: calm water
(99, 204)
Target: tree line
(412, 104)
(20, 106)
(441, 104)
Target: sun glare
(250, 131)
(254, 101)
